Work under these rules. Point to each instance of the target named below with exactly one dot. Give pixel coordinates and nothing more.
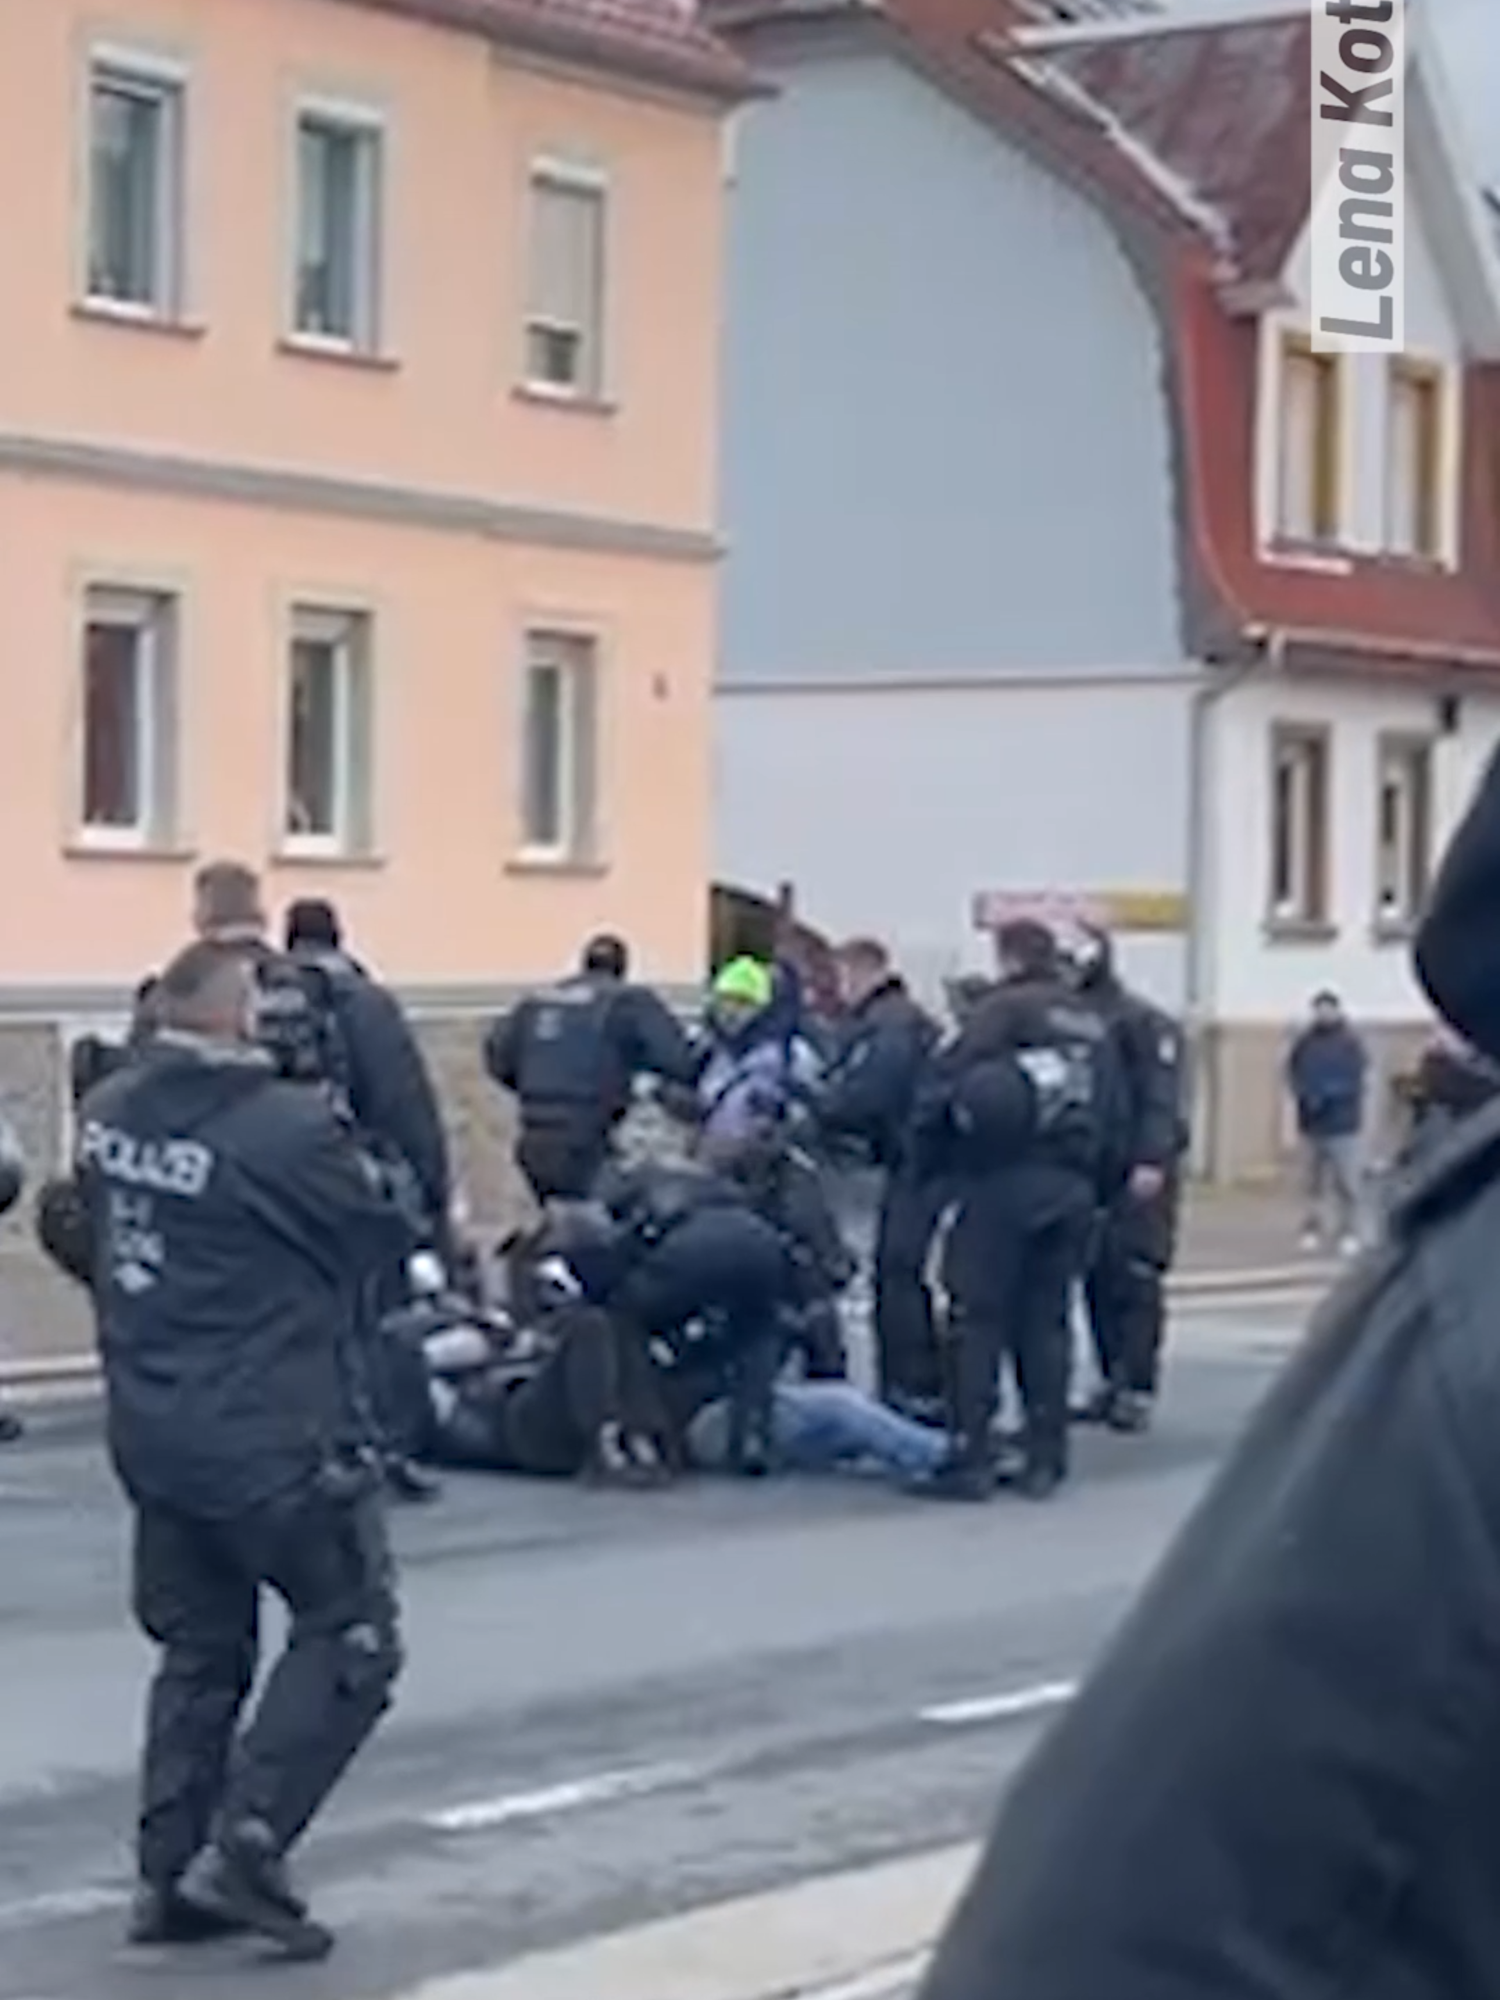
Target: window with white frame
(1299, 825)
(136, 211)
(329, 732)
(1308, 445)
(1414, 459)
(1403, 853)
(128, 711)
(338, 256)
(559, 737)
(565, 312)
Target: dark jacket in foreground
(232, 1217)
(871, 1087)
(1281, 1782)
(1458, 947)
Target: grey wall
(946, 448)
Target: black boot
(159, 1915)
(408, 1480)
(1130, 1413)
(964, 1475)
(241, 1880)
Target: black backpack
(298, 1024)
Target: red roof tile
(666, 40)
(1223, 110)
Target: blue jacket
(1326, 1072)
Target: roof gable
(1221, 112)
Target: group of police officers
(255, 1168)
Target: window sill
(1320, 558)
(569, 865)
(292, 856)
(137, 319)
(1410, 564)
(545, 395)
(173, 853)
(1299, 930)
(308, 347)
(1393, 930)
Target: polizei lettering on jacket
(1358, 207)
(181, 1167)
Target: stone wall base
(1245, 1128)
(1245, 1132)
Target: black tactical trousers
(729, 1266)
(1126, 1289)
(561, 1150)
(197, 1595)
(905, 1338)
(1010, 1267)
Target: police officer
(570, 1055)
(325, 1024)
(867, 1099)
(1126, 1286)
(1015, 1118)
(391, 1093)
(231, 1217)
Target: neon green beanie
(746, 980)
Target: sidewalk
(857, 1936)
(43, 1317)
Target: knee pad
(370, 1660)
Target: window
(128, 732)
(1403, 855)
(329, 733)
(135, 189)
(1309, 446)
(1413, 524)
(559, 732)
(565, 318)
(338, 231)
(1299, 826)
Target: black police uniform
(1024, 1094)
(389, 1087)
(786, 1189)
(694, 1251)
(570, 1056)
(868, 1097)
(231, 1219)
(1126, 1286)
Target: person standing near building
(866, 1101)
(232, 1220)
(1326, 1072)
(1142, 1194)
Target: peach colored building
(357, 426)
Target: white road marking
(635, 1783)
(60, 1906)
(885, 1982)
(1002, 1707)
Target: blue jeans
(820, 1426)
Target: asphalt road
(616, 1707)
